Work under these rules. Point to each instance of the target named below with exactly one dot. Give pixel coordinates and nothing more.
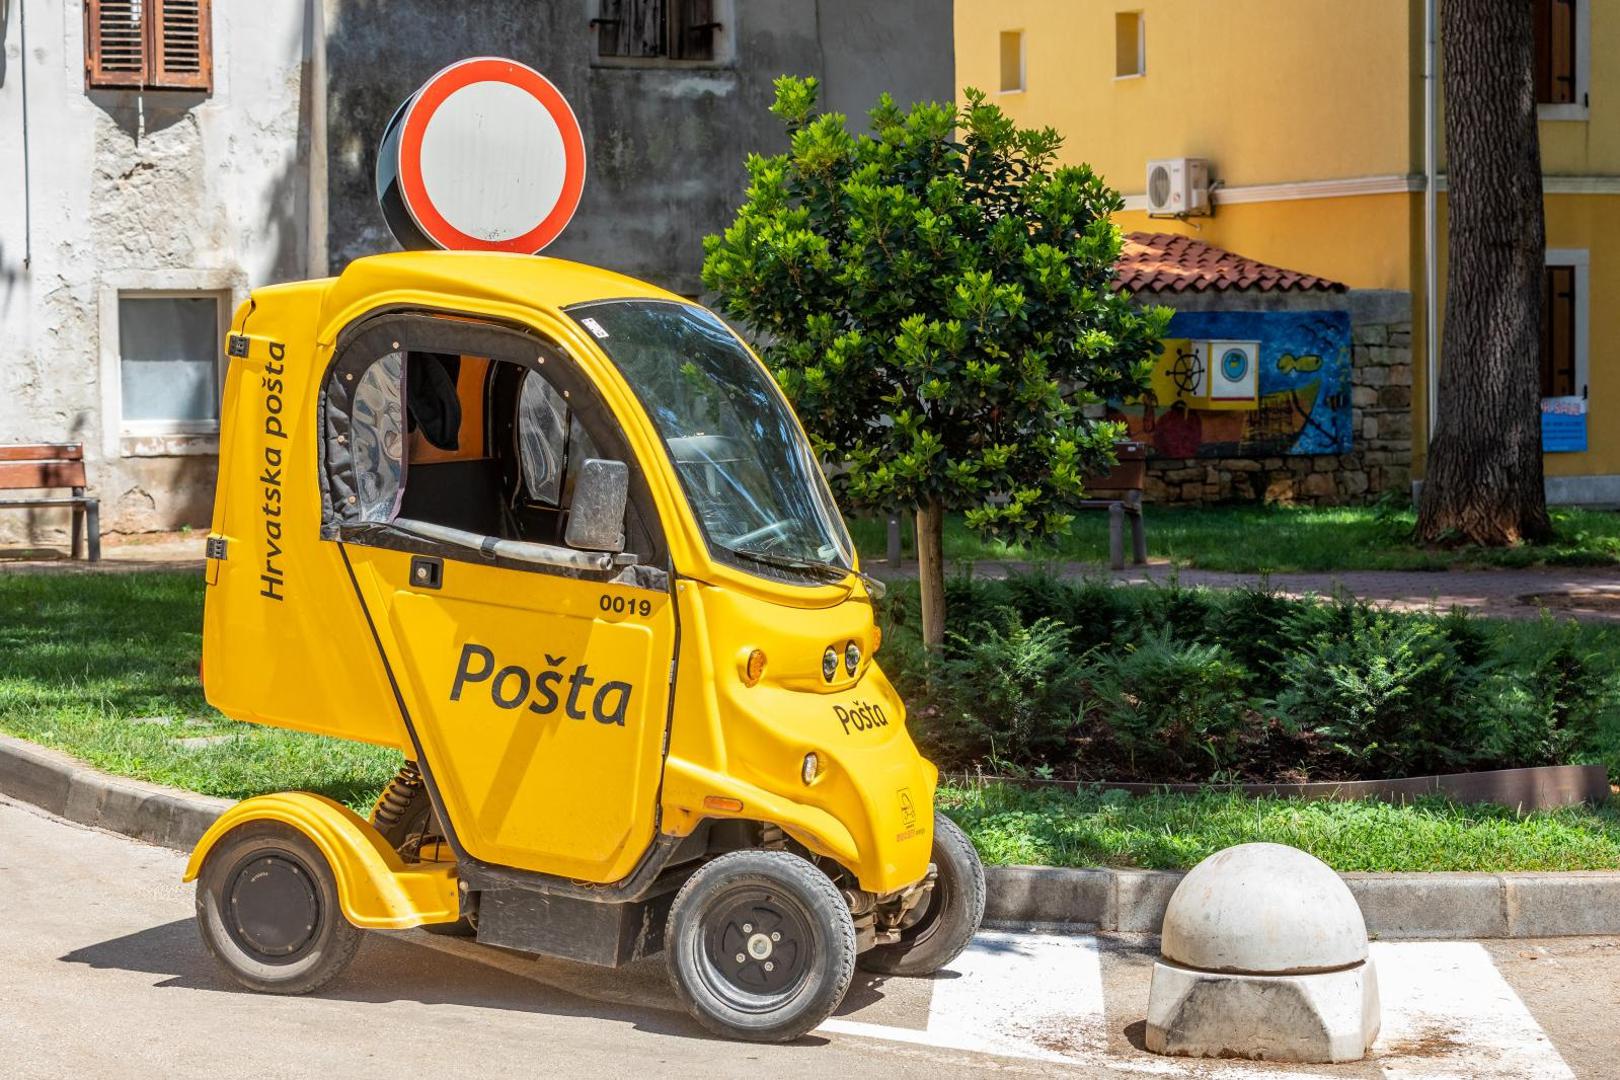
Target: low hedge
(1088, 680)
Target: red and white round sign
(487, 156)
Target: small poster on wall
(1563, 425)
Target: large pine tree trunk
(1484, 481)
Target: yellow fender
(377, 889)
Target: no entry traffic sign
(486, 156)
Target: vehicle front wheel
(268, 909)
(760, 946)
(938, 934)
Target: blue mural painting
(1247, 384)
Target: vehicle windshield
(746, 467)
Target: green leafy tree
(936, 299)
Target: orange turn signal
(719, 802)
(753, 667)
(877, 638)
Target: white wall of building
(137, 192)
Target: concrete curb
(73, 790)
(1428, 906)
(1433, 906)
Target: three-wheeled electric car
(556, 535)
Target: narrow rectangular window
(1555, 44)
(1130, 51)
(1558, 349)
(1012, 61)
(148, 44)
(168, 348)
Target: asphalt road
(102, 975)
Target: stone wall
(1381, 410)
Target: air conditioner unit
(1178, 186)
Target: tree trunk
(1484, 482)
(931, 572)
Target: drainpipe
(28, 186)
(1431, 222)
(316, 202)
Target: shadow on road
(387, 969)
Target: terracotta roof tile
(1168, 262)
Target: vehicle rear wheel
(760, 946)
(406, 819)
(268, 910)
(954, 910)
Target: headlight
(852, 657)
(811, 766)
(829, 663)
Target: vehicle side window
(379, 438)
(542, 438)
(439, 434)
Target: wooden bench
(48, 467)
(1119, 491)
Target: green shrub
(1252, 623)
(1556, 700)
(1388, 694)
(1171, 706)
(1168, 683)
(1007, 693)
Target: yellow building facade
(1311, 114)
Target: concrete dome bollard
(1264, 956)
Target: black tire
(415, 826)
(798, 947)
(954, 912)
(268, 910)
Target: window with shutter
(1558, 332)
(657, 29)
(1555, 33)
(114, 43)
(148, 44)
(180, 48)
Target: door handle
(427, 571)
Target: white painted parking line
(1449, 1013)
(1021, 995)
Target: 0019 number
(622, 605)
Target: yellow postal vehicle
(556, 535)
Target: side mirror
(596, 518)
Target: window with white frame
(1012, 61)
(1130, 45)
(1564, 314)
(1563, 56)
(168, 360)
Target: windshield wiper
(830, 572)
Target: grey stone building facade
(140, 203)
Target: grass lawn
(104, 667)
(1282, 539)
(1172, 832)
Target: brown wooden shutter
(1555, 51)
(691, 30)
(181, 48)
(114, 43)
(1558, 332)
(630, 28)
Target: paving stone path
(1582, 592)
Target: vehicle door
(534, 675)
